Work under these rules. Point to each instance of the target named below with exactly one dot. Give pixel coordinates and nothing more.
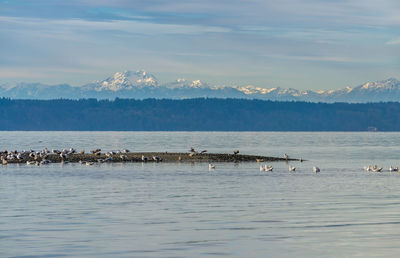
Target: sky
(301, 44)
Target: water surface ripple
(185, 210)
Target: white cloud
(127, 26)
(395, 41)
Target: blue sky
(302, 44)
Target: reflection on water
(185, 210)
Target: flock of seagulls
(269, 168)
(41, 157)
(375, 168)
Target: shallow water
(185, 210)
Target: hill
(196, 115)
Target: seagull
(3, 161)
(44, 162)
(123, 157)
(316, 169)
(291, 168)
(285, 156)
(96, 150)
(235, 152)
(393, 169)
(262, 168)
(125, 151)
(268, 168)
(63, 156)
(367, 168)
(157, 159)
(376, 169)
(211, 166)
(203, 151)
(144, 159)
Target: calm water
(185, 210)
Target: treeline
(195, 115)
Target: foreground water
(185, 210)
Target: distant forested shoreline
(200, 114)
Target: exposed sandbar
(152, 157)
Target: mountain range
(141, 85)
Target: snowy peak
(183, 83)
(127, 80)
(141, 84)
(250, 89)
(389, 84)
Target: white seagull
(316, 169)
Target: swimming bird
(291, 168)
(376, 169)
(262, 168)
(316, 169)
(211, 166)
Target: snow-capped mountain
(183, 83)
(126, 80)
(141, 84)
